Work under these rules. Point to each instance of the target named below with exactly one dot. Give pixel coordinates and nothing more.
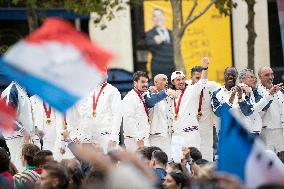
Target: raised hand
(205, 62)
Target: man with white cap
(206, 117)
(136, 126)
(161, 117)
(185, 127)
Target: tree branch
(192, 19)
(192, 10)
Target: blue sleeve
(153, 98)
(257, 97)
(216, 104)
(13, 97)
(267, 106)
(246, 107)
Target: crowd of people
(166, 139)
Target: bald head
(161, 82)
(266, 76)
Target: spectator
(54, 176)
(74, 172)
(159, 162)
(175, 180)
(191, 153)
(3, 143)
(28, 177)
(5, 176)
(12, 169)
(41, 158)
(146, 152)
(281, 156)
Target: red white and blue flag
(57, 63)
(7, 117)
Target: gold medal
(176, 117)
(94, 113)
(199, 114)
(48, 121)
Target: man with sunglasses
(273, 117)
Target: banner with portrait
(210, 36)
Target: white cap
(177, 74)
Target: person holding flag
(185, 128)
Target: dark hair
(195, 154)
(196, 69)
(28, 153)
(201, 162)
(281, 156)
(179, 177)
(40, 157)
(56, 170)
(225, 71)
(3, 143)
(137, 75)
(147, 151)
(160, 156)
(4, 159)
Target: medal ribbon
(179, 101)
(65, 121)
(143, 101)
(47, 111)
(95, 100)
(200, 101)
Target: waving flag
(7, 117)
(244, 156)
(57, 63)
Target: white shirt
(51, 130)
(135, 119)
(206, 110)
(24, 110)
(273, 118)
(108, 113)
(188, 107)
(161, 117)
(164, 33)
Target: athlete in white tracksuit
(273, 117)
(185, 128)
(17, 97)
(161, 117)
(206, 117)
(100, 116)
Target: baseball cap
(177, 74)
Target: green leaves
(225, 6)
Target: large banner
(210, 36)
(280, 5)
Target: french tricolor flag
(57, 63)
(244, 155)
